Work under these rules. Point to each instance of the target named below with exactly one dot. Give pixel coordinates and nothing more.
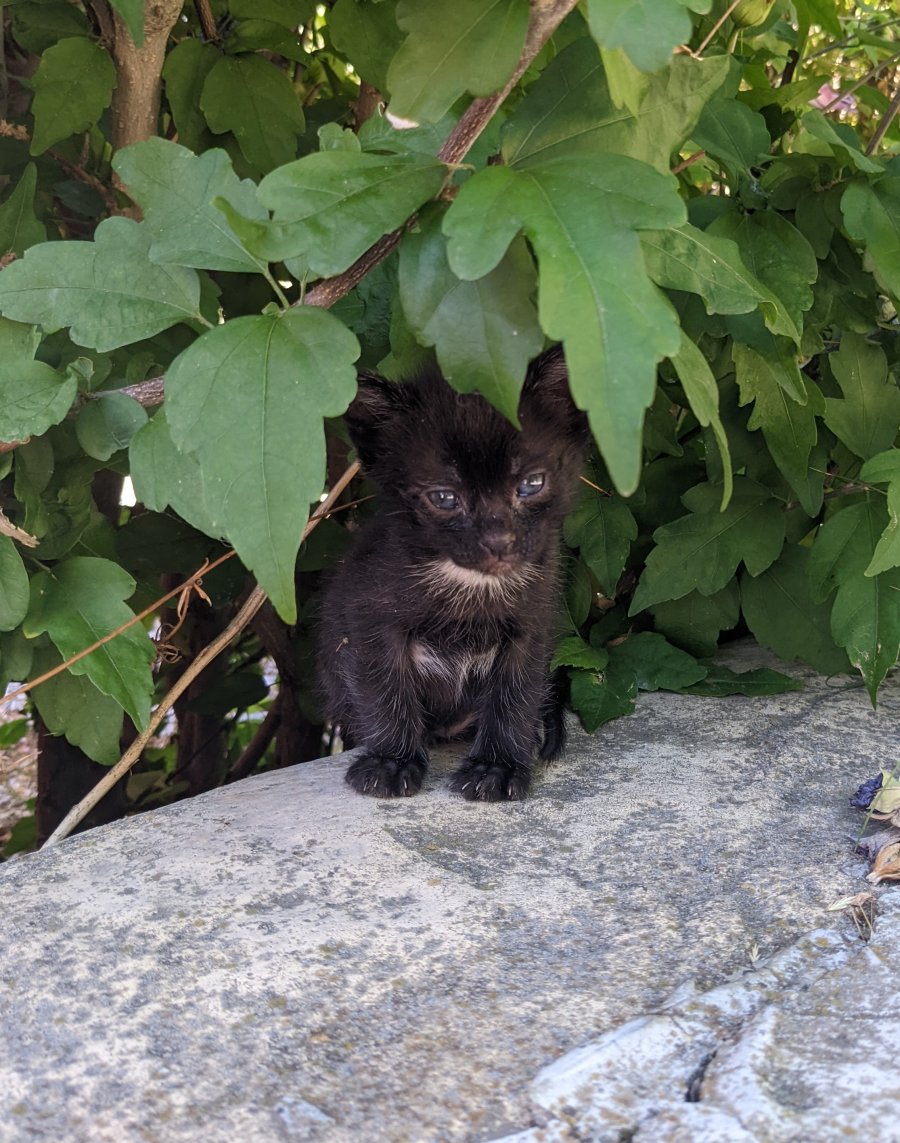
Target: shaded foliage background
(213, 213)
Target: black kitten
(441, 619)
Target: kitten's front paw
(383, 776)
(481, 781)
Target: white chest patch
(452, 668)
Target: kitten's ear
(375, 405)
(546, 393)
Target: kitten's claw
(481, 781)
(383, 776)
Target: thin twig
(886, 120)
(689, 161)
(190, 582)
(861, 82)
(254, 601)
(718, 24)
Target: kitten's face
(488, 506)
(484, 501)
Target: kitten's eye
(531, 484)
(444, 498)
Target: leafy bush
(701, 201)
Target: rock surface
(285, 960)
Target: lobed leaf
(175, 190)
(655, 663)
(594, 293)
(603, 528)
(469, 45)
(647, 30)
(331, 206)
(872, 216)
(780, 610)
(866, 418)
(13, 586)
(485, 331)
(72, 87)
(256, 102)
(78, 602)
(108, 291)
(33, 396)
(599, 697)
(701, 551)
(702, 393)
(19, 228)
(248, 399)
(71, 705)
(569, 110)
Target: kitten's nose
(498, 543)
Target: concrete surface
(286, 960)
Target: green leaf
(872, 216)
(256, 102)
(598, 698)
(484, 331)
(331, 206)
(702, 393)
(844, 145)
(71, 705)
(695, 621)
(79, 602)
(107, 423)
(248, 397)
(722, 681)
(627, 84)
(594, 292)
(866, 419)
(368, 35)
(839, 551)
(574, 652)
(175, 190)
(789, 428)
(603, 528)
(690, 259)
(19, 228)
(886, 466)
(13, 586)
(469, 45)
(37, 26)
(778, 369)
(778, 255)
(780, 611)
(163, 476)
(655, 663)
(72, 87)
(865, 618)
(13, 732)
(108, 290)
(569, 110)
(732, 133)
(701, 551)
(32, 395)
(16, 653)
(184, 72)
(647, 30)
(132, 13)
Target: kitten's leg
(552, 718)
(387, 725)
(498, 767)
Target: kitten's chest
(450, 677)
